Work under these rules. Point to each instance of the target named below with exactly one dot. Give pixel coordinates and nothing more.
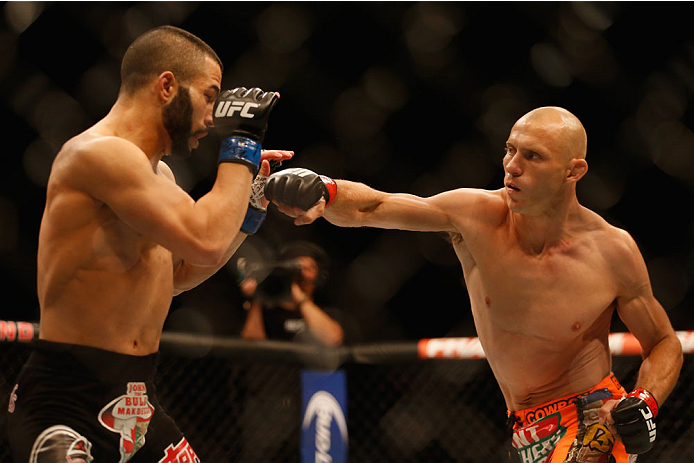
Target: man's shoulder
(491, 205)
(607, 230)
(483, 201)
(87, 162)
(93, 143)
(476, 211)
(91, 151)
(612, 241)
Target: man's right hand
(300, 188)
(300, 193)
(241, 118)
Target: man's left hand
(632, 420)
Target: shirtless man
(119, 239)
(544, 275)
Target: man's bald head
(561, 125)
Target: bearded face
(178, 122)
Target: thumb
(605, 412)
(312, 214)
(264, 168)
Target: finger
(280, 155)
(305, 219)
(302, 220)
(605, 412)
(312, 214)
(264, 168)
(284, 209)
(319, 207)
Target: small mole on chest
(487, 301)
(576, 326)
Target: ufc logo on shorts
(648, 416)
(228, 108)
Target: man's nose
(209, 115)
(209, 119)
(513, 167)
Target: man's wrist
(646, 396)
(253, 220)
(240, 149)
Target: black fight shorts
(82, 404)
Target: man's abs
(112, 313)
(531, 372)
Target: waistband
(91, 361)
(529, 415)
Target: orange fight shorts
(566, 430)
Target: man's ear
(577, 169)
(167, 86)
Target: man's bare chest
(560, 292)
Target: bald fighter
(119, 239)
(544, 275)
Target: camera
(274, 279)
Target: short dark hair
(164, 48)
(297, 249)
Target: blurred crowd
(405, 96)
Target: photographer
(280, 304)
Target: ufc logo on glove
(648, 416)
(228, 108)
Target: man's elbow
(676, 346)
(206, 253)
(671, 344)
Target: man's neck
(137, 123)
(539, 233)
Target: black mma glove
(240, 117)
(302, 188)
(634, 419)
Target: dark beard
(178, 122)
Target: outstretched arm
(300, 193)
(359, 205)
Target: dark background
(406, 97)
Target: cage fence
(242, 402)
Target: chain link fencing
(242, 403)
